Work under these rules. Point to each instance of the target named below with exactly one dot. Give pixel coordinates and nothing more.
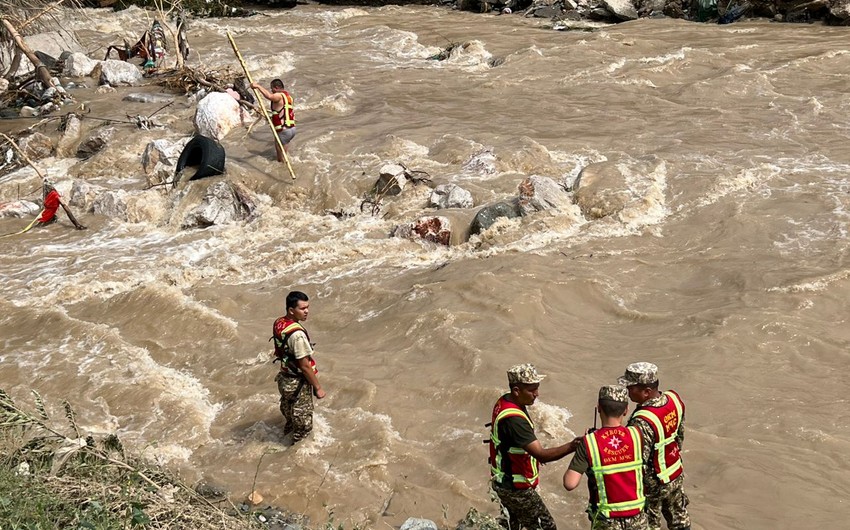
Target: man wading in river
(298, 379)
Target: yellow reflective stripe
(665, 472)
(496, 470)
(287, 106)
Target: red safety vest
(507, 460)
(285, 117)
(51, 204)
(615, 459)
(665, 421)
(281, 331)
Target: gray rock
(621, 9)
(112, 204)
(70, 138)
(36, 145)
(52, 43)
(95, 142)
(4, 84)
(414, 523)
(148, 98)
(538, 193)
(19, 208)
(602, 190)
(391, 180)
(79, 65)
(840, 9)
(162, 151)
(83, 195)
(450, 196)
(220, 205)
(120, 73)
(28, 112)
(488, 215)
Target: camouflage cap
(639, 374)
(614, 393)
(524, 373)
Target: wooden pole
(41, 71)
(259, 98)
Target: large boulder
(602, 190)
(416, 523)
(84, 194)
(217, 114)
(70, 139)
(538, 193)
(36, 146)
(95, 142)
(51, 43)
(621, 9)
(79, 65)
(839, 12)
(160, 158)
(391, 179)
(113, 72)
(221, 204)
(450, 196)
(489, 214)
(19, 208)
(134, 206)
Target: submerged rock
(221, 205)
(488, 215)
(450, 196)
(538, 193)
(20, 208)
(435, 229)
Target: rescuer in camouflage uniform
(613, 454)
(515, 452)
(298, 378)
(663, 499)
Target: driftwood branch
(41, 71)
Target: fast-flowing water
(727, 267)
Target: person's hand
(319, 393)
(255, 85)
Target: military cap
(524, 373)
(614, 393)
(639, 374)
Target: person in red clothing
(612, 458)
(283, 114)
(51, 204)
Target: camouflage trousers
(525, 509)
(636, 522)
(296, 405)
(668, 501)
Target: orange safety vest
(506, 460)
(285, 117)
(665, 421)
(282, 329)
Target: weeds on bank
(52, 476)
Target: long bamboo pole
(259, 98)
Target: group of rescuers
(633, 465)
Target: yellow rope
(37, 217)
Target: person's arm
(572, 479)
(551, 454)
(310, 376)
(578, 466)
(266, 94)
(680, 434)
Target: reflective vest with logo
(665, 421)
(505, 460)
(282, 329)
(285, 117)
(616, 462)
